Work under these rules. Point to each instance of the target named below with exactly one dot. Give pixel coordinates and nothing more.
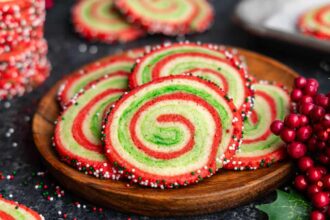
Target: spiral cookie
(14, 83)
(260, 147)
(204, 18)
(173, 131)
(17, 57)
(98, 20)
(21, 41)
(10, 210)
(78, 130)
(122, 62)
(18, 68)
(34, 16)
(41, 73)
(316, 22)
(170, 17)
(206, 61)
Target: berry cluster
(306, 130)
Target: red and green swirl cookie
(23, 72)
(25, 60)
(122, 62)
(23, 54)
(14, 86)
(41, 73)
(98, 20)
(171, 132)
(16, 57)
(34, 16)
(261, 148)
(316, 22)
(204, 18)
(15, 6)
(14, 83)
(11, 39)
(26, 68)
(170, 17)
(78, 130)
(206, 61)
(10, 210)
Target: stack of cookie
(23, 50)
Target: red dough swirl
(173, 131)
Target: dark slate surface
(17, 151)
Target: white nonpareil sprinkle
(93, 50)
(82, 48)
(7, 104)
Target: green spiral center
(169, 136)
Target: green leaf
(289, 206)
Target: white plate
(277, 19)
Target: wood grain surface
(224, 190)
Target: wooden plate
(224, 190)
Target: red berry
(49, 4)
(303, 120)
(293, 107)
(305, 163)
(306, 108)
(322, 100)
(300, 183)
(317, 127)
(324, 159)
(320, 145)
(310, 90)
(300, 82)
(288, 135)
(297, 150)
(317, 113)
(327, 152)
(326, 181)
(319, 184)
(296, 95)
(292, 121)
(322, 135)
(304, 133)
(313, 174)
(322, 169)
(312, 144)
(326, 121)
(317, 215)
(320, 200)
(276, 127)
(312, 189)
(312, 82)
(306, 99)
